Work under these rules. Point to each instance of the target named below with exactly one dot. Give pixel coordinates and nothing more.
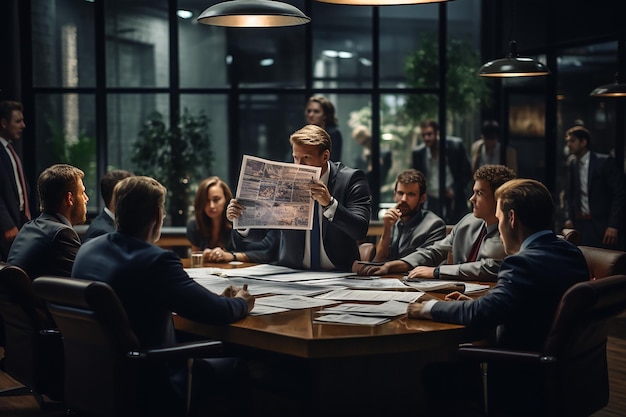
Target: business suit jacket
(524, 300)
(151, 284)
(10, 201)
(460, 168)
(350, 223)
(46, 245)
(423, 229)
(459, 241)
(101, 225)
(606, 191)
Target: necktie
(22, 182)
(315, 240)
(395, 244)
(473, 254)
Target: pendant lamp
(618, 88)
(381, 2)
(253, 14)
(513, 66)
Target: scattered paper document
(390, 308)
(293, 302)
(350, 319)
(435, 285)
(260, 310)
(371, 295)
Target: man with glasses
(406, 226)
(458, 172)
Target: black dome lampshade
(381, 2)
(617, 89)
(253, 14)
(513, 66)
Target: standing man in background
(487, 149)
(105, 221)
(15, 206)
(458, 173)
(596, 193)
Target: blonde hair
(311, 135)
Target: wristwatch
(234, 255)
(330, 203)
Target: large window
(250, 86)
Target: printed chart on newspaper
(276, 195)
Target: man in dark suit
(344, 202)
(105, 221)
(16, 206)
(474, 242)
(48, 244)
(457, 177)
(596, 193)
(151, 284)
(532, 279)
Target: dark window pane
(63, 43)
(137, 43)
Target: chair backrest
(32, 357)
(604, 262)
(571, 235)
(99, 378)
(367, 250)
(577, 340)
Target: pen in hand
(245, 287)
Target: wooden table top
(294, 332)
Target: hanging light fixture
(381, 2)
(253, 14)
(513, 66)
(618, 88)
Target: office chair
(570, 372)
(571, 235)
(102, 353)
(604, 262)
(33, 352)
(367, 251)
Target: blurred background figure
(487, 151)
(363, 161)
(321, 112)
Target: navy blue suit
(101, 225)
(46, 245)
(10, 216)
(524, 300)
(151, 284)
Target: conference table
(306, 368)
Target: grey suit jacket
(46, 245)
(423, 229)
(522, 304)
(459, 242)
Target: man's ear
(3, 123)
(69, 199)
(512, 219)
(326, 155)
(422, 199)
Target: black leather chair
(102, 353)
(570, 372)
(33, 352)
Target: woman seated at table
(210, 232)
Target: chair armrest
(486, 354)
(203, 349)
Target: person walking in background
(487, 149)
(105, 221)
(211, 232)
(48, 244)
(458, 173)
(595, 193)
(16, 206)
(406, 226)
(320, 111)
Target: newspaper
(276, 195)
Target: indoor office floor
(616, 350)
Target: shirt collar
(584, 160)
(326, 175)
(110, 213)
(530, 239)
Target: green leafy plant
(177, 157)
